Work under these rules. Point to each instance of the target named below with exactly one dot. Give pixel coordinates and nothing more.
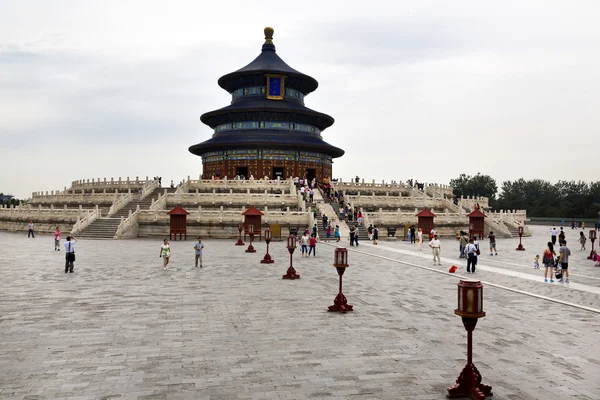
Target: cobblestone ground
(121, 327)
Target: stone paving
(121, 327)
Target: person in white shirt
(165, 253)
(471, 253)
(420, 239)
(70, 254)
(436, 247)
(30, 232)
(553, 233)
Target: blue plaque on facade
(275, 87)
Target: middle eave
(260, 109)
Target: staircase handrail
(127, 224)
(119, 203)
(148, 188)
(85, 221)
(327, 209)
(160, 203)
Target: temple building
(267, 130)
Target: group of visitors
(415, 235)
(558, 266)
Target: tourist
(548, 260)
(464, 241)
(57, 234)
(312, 244)
(352, 230)
(582, 226)
(359, 217)
(355, 215)
(492, 239)
(336, 233)
(413, 234)
(561, 236)
(140, 191)
(409, 234)
(436, 248)
(325, 221)
(356, 235)
(165, 253)
(471, 254)
(172, 184)
(553, 233)
(420, 239)
(582, 240)
(304, 244)
(70, 254)
(30, 232)
(341, 214)
(311, 195)
(375, 234)
(432, 233)
(536, 262)
(302, 193)
(198, 246)
(563, 259)
(314, 229)
(327, 233)
(370, 231)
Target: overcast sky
(419, 89)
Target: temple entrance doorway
(310, 174)
(278, 173)
(242, 171)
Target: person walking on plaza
(356, 235)
(471, 254)
(413, 234)
(165, 253)
(328, 233)
(548, 260)
(563, 259)
(582, 240)
(561, 235)
(464, 241)
(325, 219)
(553, 233)
(375, 234)
(70, 254)
(30, 232)
(419, 238)
(198, 246)
(304, 244)
(336, 233)
(352, 232)
(492, 238)
(57, 234)
(312, 245)
(370, 231)
(436, 248)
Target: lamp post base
(340, 303)
(521, 248)
(250, 249)
(468, 385)
(267, 259)
(240, 242)
(291, 274)
(591, 256)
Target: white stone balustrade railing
(86, 220)
(39, 212)
(160, 203)
(235, 199)
(327, 209)
(58, 198)
(129, 227)
(110, 183)
(149, 187)
(396, 201)
(210, 184)
(391, 187)
(119, 203)
(468, 202)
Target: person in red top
(312, 245)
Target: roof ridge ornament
(269, 35)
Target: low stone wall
(194, 229)
(46, 225)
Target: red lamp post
(291, 246)
(340, 262)
(470, 308)
(520, 230)
(593, 239)
(267, 259)
(250, 248)
(240, 229)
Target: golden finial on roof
(269, 35)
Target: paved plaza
(122, 328)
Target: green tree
(478, 185)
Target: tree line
(563, 199)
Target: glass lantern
(251, 229)
(268, 235)
(592, 234)
(340, 257)
(291, 242)
(470, 299)
(520, 230)
(240, 227)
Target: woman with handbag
(70, 254)
(548, 260)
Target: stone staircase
(106, 227)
